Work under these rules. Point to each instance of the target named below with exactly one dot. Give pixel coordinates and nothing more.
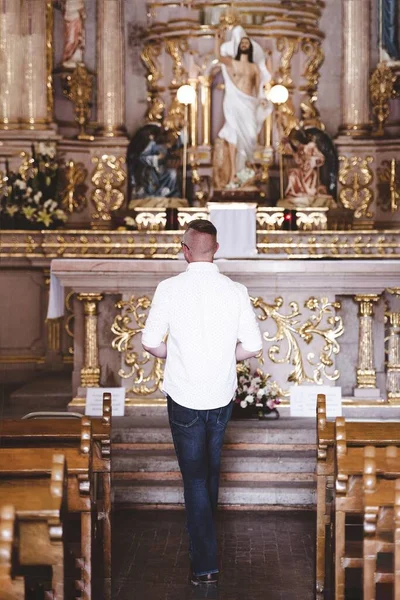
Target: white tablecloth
(237, 227)
(56, 306)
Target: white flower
(37, 197)
(60, 215)
(29, 190)
(249, 399)
(21, 184)
(260, 392)
(243, 404)
(47, 150)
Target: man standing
(210, 325)
(245, 105)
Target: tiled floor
(267, 555)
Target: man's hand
(159, 352)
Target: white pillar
(34, 113)
(11, 53)
(356, 67)
(110, 68)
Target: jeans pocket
(180, 415)
(225, 414)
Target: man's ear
(216, 248)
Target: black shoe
(209, 579)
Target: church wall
(329, 94)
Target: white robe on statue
(244, 114)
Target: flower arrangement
(28, 198)
(255, 392)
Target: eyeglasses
(186, 246)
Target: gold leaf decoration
(147, 371)
(323, 323)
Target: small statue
(245, 105)
(74, 31)
(152, 164)
(304, 188)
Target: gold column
(34, 111)
(366, 372)
(205, 96)
(393, 362)
(356, 67)
(90, 373)
(110, 68)
(11, 55)
(193, 114)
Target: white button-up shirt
(205, 314)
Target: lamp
(186, 95)
(279, 94)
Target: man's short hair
(202, 226)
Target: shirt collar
(203, 267)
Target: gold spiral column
(110, 69)
(356, 67)
(366, 371)
(90, 372)
(393, 363)
(11, 56)
(34, 111)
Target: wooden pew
(381, 520)
(10, 589)
(38, 509)
(94, 437)
(351, 482)
(356, 434)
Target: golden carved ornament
(310, 116)
(27, 168)
(382, 90)
(355, 176)
(393, 356)
(155, 108)
(174, 120)
(150, 55)
(147, 371)
(313, 50)
(287, 47)
(176, 49)
(366, 372)
(286, 117)
(73, 186)
(323, 323)
(49, 58)
(389, 186)
(108, 177)
(78, 87)
(229, 18)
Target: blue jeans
(198, 437)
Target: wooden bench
(356, 434)
(37, 509)
(350, 494)
(10, 589)
(381, 521)
(93, 438)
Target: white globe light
(278, 94)
(186, 94)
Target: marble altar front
(323, 322)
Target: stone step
(254, 493)
(129, 430)
(267, 461)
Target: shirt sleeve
(157, 321)
(249, 333)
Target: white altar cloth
(56, 305)
(236, 224)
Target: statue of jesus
(245, 105)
